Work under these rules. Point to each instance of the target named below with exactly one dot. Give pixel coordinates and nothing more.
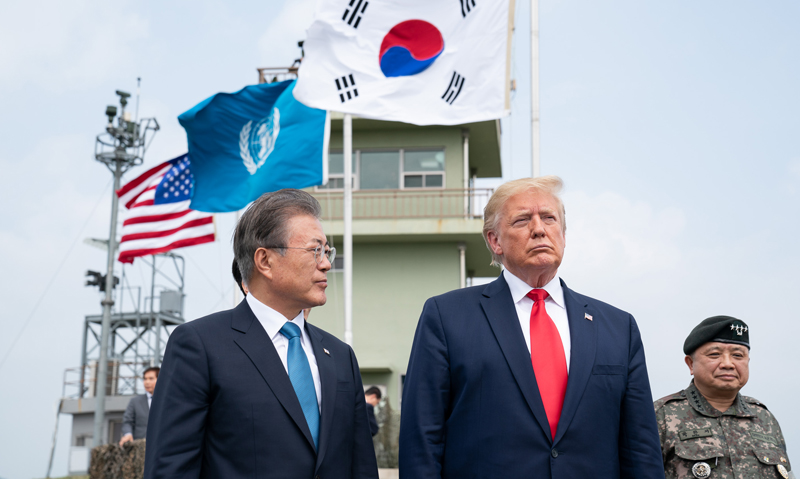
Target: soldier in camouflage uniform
(709, 430)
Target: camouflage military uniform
(743, 442)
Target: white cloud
(794, 168)
(611, 234)
(277, 45)
(59, 46)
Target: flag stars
(176, 184)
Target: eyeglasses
(319, 252)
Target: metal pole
(55, 436)
(108, 302)
(465, 137)
(462, 265)
(535, 88)
(83, 357)
(154, 315)
(348, 229)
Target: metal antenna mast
(120, 148)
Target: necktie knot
(538, 294)
(290, 330)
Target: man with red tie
(523, 377)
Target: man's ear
(494, 242)
(263, 259)
(690, 363)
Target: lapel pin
(588, 316)
(326, 351)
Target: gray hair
(266, 223)
(492, 213)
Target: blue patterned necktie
(302, 381)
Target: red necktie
(547, 357)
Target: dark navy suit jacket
(224, 407)
(472, 409)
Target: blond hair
(550, 185)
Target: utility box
(171, 302)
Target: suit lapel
(257, 345)
(499, 309)
(583, 340)
(327, 379)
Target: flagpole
(535, 88)
(108, 302)
(348, 229)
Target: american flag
(159, 218)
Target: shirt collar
(149, 395)
(699, 403)
(520, 289)
(271, 320)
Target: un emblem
(257, 141)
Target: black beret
(721, 329)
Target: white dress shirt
(554, 305)
(149, 399)
(273, 321)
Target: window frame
(424, 174)
(356, 175)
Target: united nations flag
(254, 141)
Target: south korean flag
(426, 62)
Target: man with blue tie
(523, 377)
(257, 391)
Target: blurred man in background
(134, 421)
(373, 397)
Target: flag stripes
(132, 189)
(152, 227)
(181, 243)
(160, 234)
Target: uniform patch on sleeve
(695, 433)
(763, 437)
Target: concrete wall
(391, 282)
(448, 138)
(83, 427)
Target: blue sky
(673, 125)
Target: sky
(673, 125)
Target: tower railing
(406, 204)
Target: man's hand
(126, 438)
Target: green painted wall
(391, 282)
(433, 137)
